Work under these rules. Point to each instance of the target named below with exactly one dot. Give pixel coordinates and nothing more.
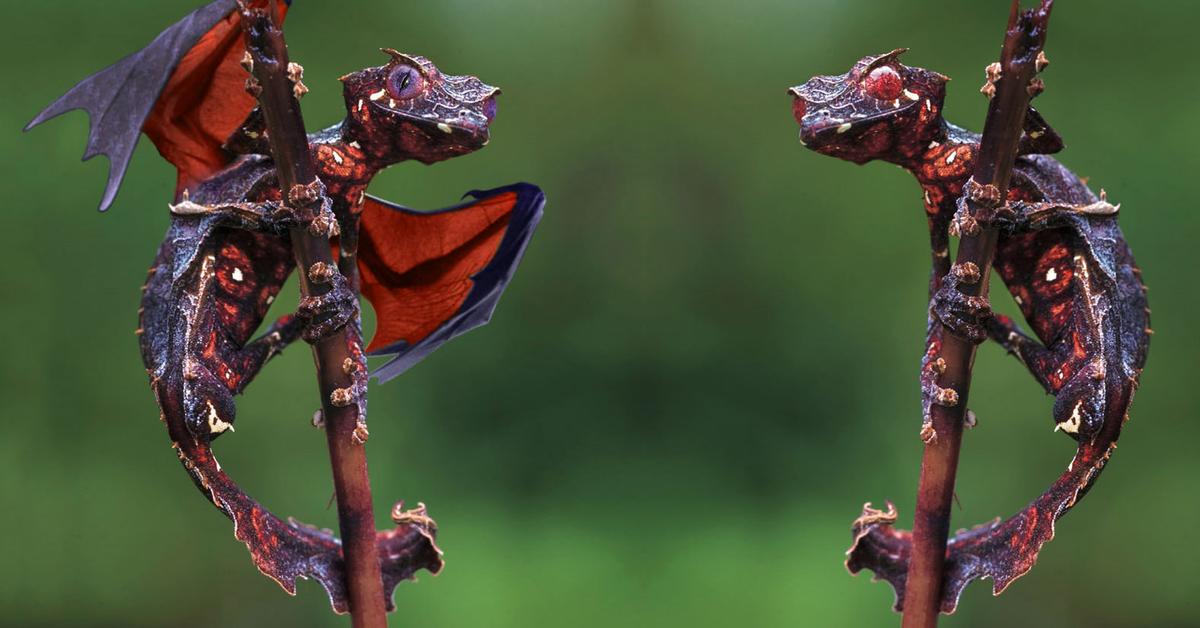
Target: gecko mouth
(822, 127)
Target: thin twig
(1024, 38)
(293, 161)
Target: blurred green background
(706, 364)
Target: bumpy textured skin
(227, 253)
(1063, 259)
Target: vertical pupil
(402, 82)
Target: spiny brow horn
(400, 56)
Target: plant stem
(293, 161)
(1023, 41)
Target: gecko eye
(884, 83)
(404, 82)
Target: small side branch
(1016, 85)
(302, 192)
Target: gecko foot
(963, 315)
(328, 312)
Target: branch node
(1041, 62)
(342, 397)
(360, 435)
(253, 87)
(946, 397)
(324, 226)
(320, 272)
(984, 194)
(968, 273)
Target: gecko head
(408, 109)
(880, 109)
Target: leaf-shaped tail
(285, 551)
(1000, 550)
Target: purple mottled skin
(223, 261)
(1060, 254)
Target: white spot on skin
(236, 274)
(1071, 425)
(928, 201)
(1019, 300)
(950, 157)
(911, 96)
(360, 104)
(802, 139)
(355, 144)
(270, 299)
(843, 128)
(215, 424)
(896, 103)
(1051, 275)
(391, 103)
(934, 144)
(377, 95)
(337, 157)
(444, 128)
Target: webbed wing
(184, 90)
(432, 276)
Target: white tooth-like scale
(377, 95)
(444, 128)
(844, 127)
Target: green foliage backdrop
(706, 364)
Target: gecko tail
(1000, 550)
(287, 550)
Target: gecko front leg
(963, 315)
(328, 312)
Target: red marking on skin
(229, 314)
(1079, 350)
(210, 347)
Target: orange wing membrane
(185, 90)
(204, 102)
(432, 276)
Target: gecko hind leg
(250, 360)
(1040, 360)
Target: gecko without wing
(1062, 257)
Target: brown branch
(297, 183)
(1023, 41)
